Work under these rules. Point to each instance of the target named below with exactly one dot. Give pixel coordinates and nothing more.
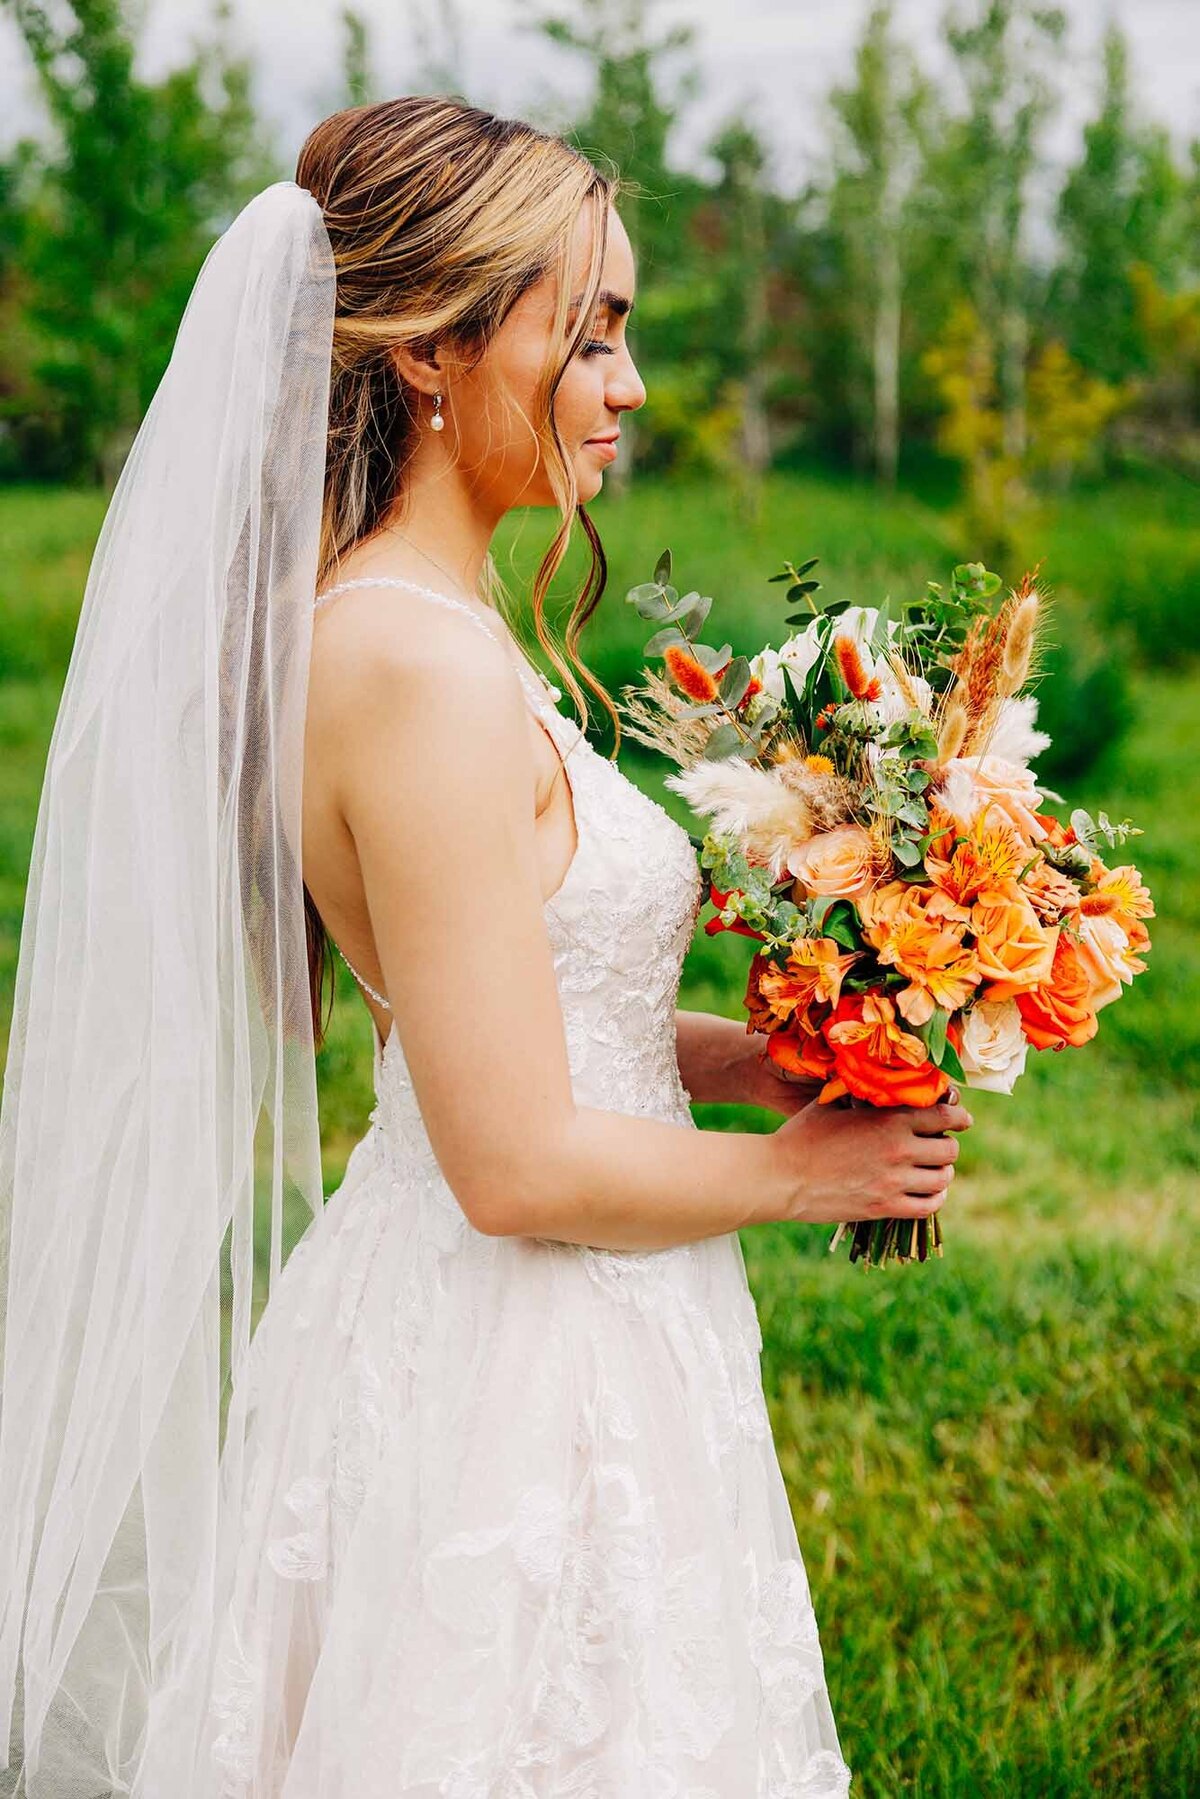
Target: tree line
(919, 300)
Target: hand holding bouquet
(875, 826)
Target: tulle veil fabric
(161, 1039)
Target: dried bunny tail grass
(904, 680)
(754, 805)
(1023, 637)
(952, 729)
(656, 716)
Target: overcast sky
(776, 59)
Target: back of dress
(533, 1540)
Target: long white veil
(162, 1024)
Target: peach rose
(840, 863)
(1050, 893)
(1014, 950)
(1059, 1012)
(1103, 952)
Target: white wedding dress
(530, 1540)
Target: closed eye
(596, 348)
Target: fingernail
(952, 1096)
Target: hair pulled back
(440, 216)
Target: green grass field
(990, 1460)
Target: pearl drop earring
(437, 422)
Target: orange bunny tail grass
(690, 676)
(849, 661)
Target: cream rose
(1008, 785)
(993, 1047)
(838, 862)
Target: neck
(444, 515)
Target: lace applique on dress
(516, 1526)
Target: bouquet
(873, 823)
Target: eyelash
(596, 348)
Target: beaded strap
(442, 599)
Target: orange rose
(875, 1059)
(840, 863)
(799, 1052)
(1058, 1012)
(1015, 951)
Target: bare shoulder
(390, 666)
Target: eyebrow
(618, 304)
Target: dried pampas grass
(758, 806)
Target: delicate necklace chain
(456, 580)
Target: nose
(625, 390)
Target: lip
(606, 446)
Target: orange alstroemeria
(876, 1059)
(1013, 948)
(984, 865)
(1058, 1013)
(814, 971)
(916, 931)
(1119, 893)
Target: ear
(418, 366)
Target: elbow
(516, 1197)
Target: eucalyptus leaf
(662, 568)
(906, 852)
(725, 741)
(735, 681)
(663, 639)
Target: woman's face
(487, 407)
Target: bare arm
(435, 780)
(721, 1063)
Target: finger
(934, 1152)
(931, 1121)
(919, 1182)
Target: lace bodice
(619, 923)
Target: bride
(497, 1513)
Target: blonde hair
(440, 216)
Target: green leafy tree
(1124, 204)
(113, 223)
(979, 172)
